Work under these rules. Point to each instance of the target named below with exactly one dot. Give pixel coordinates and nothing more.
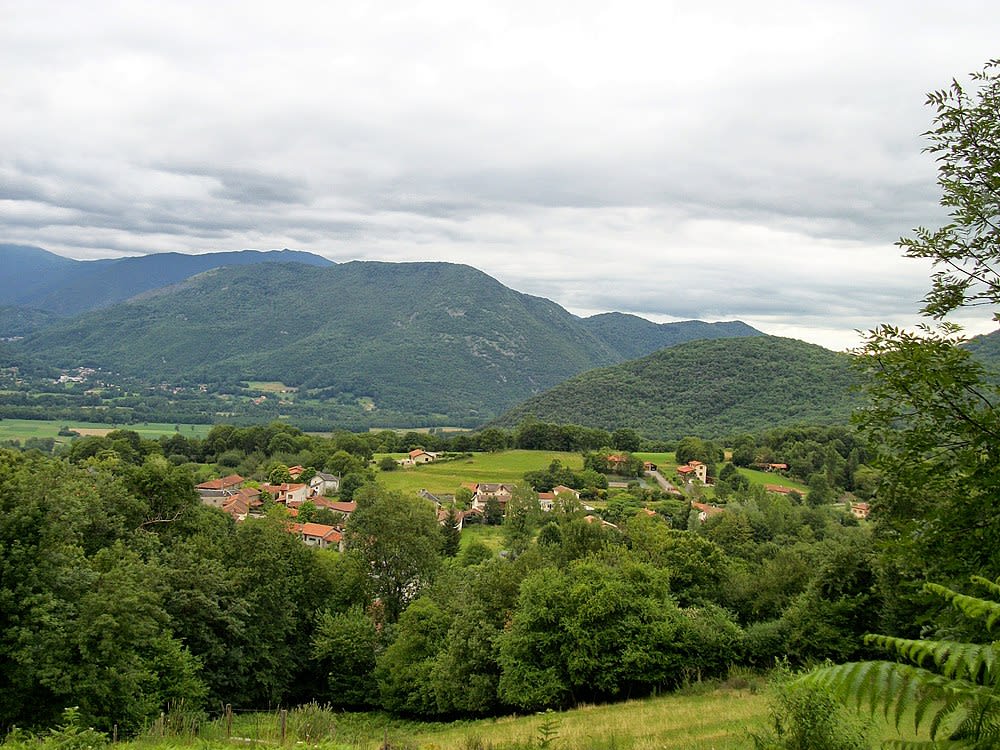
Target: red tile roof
(220, 484)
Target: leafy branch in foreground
(951, 689)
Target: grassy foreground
(715, 719)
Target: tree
(347, 645)
(397, 537)
(931, 418)
(965, 140)
(451, 535)
(520, 515)
(625, 439)
(950, 689)
(492, 513)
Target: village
(241, 498)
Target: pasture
(448, 476)
(22, 429)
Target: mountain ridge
(435, 339)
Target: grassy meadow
(705, 719)
(22, 429)
(707, 716)
(448, 476)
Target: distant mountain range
(433, 340)
(35, 278)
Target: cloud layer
(729, 160)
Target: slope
(706, 388)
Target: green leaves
(965, 140)
(951, 688)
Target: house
(560, 489)
(420, 456)
(337, 507)
(546, 501)
(288, 493)
(486, 491)
(616, 462)
(241, 504)
(648, 466)
(218, 488)
(323, 483)
(705, 511)
(860, 510)
(295, 471)
(694, 470)
(318, 535)
(595, 519)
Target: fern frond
(891, 688)
(971, 606)
(972, 661)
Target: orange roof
(321, 530)
(221, 484)
(416, 452)
(709, 510)
(685, 469)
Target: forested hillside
(421, 341)
(705, 388)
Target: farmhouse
(694, 470)
(484, 491)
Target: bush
(810, 718)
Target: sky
(675, 160)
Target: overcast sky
(676, 160)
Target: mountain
(986, 348)
(632, 336)
(28, 272)
(705, 388)
(20, 321)
(35, 278)
(433, 341)
(418, 337)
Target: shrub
(809, 717)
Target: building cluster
(232, 495)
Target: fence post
(114, 734)
(284, 724)
(229, 721)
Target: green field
(765, 477)
(448, 476)
(717, 720)
(707, 719)
(22, 429)
(270, 386)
